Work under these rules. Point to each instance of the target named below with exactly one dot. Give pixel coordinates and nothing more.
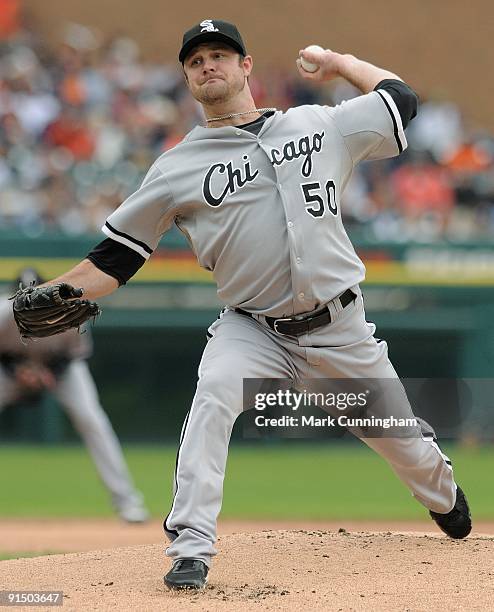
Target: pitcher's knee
(403, 451)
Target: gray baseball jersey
(262, 212)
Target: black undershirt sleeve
(116, 259)
(403, 96)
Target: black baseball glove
(51, 309)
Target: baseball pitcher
(257, 192)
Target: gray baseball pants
(78, 395)
(242, 347)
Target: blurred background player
(57, 365)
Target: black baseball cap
(210, 30)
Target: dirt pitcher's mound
(277, 570)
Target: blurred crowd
(80, 125)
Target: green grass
(289, 481)
(21, 555)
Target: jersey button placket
(291, 212)
(299, 279)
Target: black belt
(306, 322)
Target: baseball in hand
(309, 66)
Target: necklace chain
(231, 115)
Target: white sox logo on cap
(208, 26)
(211, 30)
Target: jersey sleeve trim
(399, 133)
(133, 243)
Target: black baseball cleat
(187, 574)
(457, 523)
